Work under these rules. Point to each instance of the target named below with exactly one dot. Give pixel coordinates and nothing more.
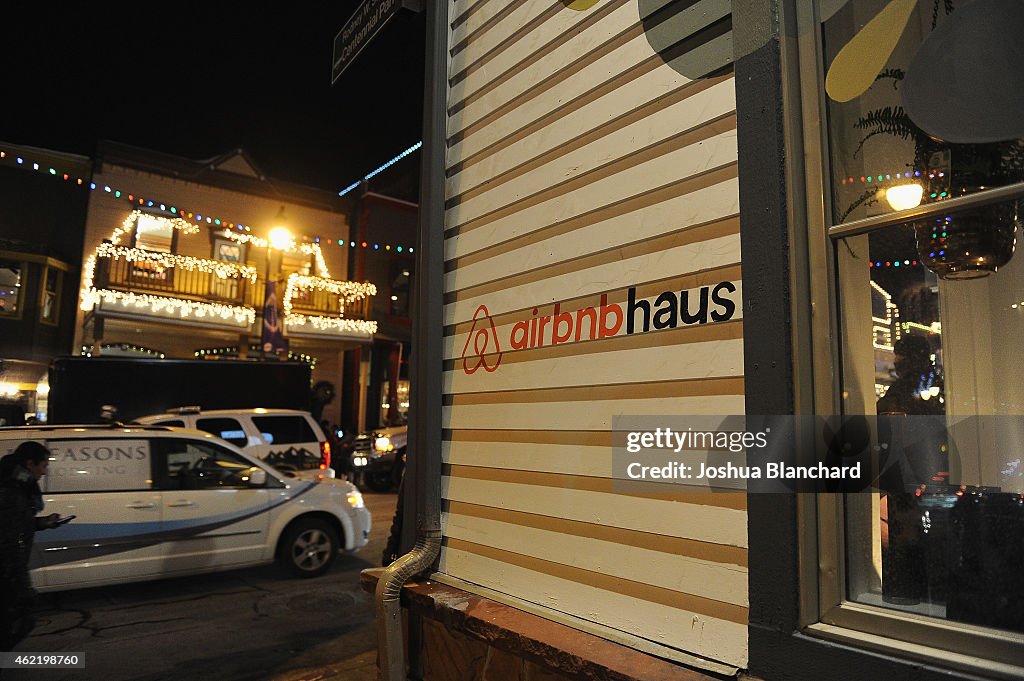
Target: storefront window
(931, 308)
(928, 123)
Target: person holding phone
(21, 501)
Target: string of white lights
(332, 323)
(222, 269)
(305, 248)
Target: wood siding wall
(583, 162)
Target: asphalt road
(247, 624)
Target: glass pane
(199, 465)
(401, 287)
(938, 118)
(153, 233)
(10, 286)
(284, 430)
(919, 344)
(225, 428)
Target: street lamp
(279, 238)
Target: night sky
(197, 79)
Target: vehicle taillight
(325, 455)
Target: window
(12, 278)
(225, 428)
(178, 423)
(229, 250)
(154, 234)
(296, 446)
(189, 464)
(928, 303)
(49, 306)
(284, 430)
(400, 287)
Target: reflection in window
(931, 311)
(10, 287)
(887, 153)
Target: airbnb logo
(481, 339)
(708, 304)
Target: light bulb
(904, 196)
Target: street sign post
(359, 30)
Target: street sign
(359, 30)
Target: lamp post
(279, 238)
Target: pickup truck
(378, 457)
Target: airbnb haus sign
(668, 310)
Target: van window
(192, 464)
(225, 428)
(173, 422)
(284, 430)
(98, 466)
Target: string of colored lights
(381, 169)
(183, 214)
(893, 263)
(898, 175)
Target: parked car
(378, 457)
(153, 501)
(287, 439)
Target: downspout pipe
(426, 360)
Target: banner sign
(272, 340)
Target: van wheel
(308, 548)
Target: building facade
(40, 261)
(690, 210)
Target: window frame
(824, 609)
(58, 286)
(238, 421)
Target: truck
(81, 387)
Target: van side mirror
(257, 477)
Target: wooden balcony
(128, 283)
(165, 277)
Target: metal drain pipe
(424, 466)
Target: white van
(153, 501)
(288, 439)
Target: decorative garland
(224, 270)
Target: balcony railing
(311, 304)
(175, 276)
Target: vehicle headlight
(355, 499)
(383, 444)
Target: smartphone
(64, 520)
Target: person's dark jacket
(20, 501)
